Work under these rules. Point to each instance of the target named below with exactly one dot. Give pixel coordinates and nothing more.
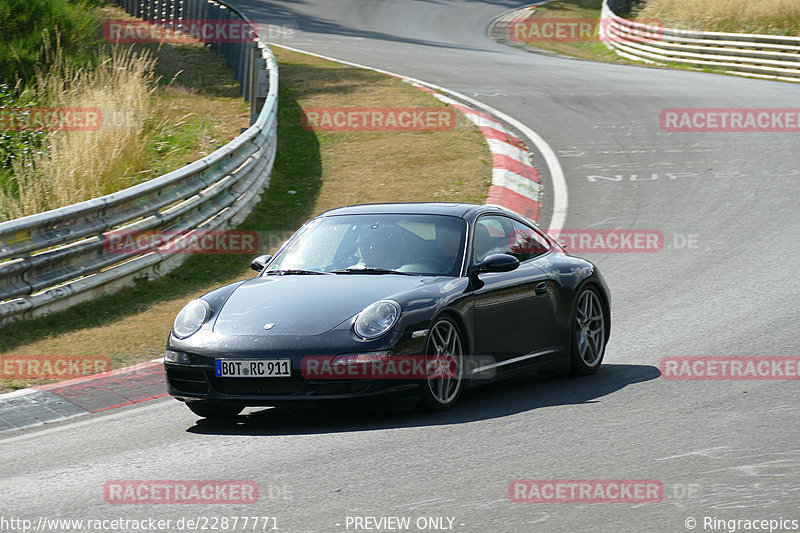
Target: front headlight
(191, 318)
(376, 319)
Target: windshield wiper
(368, 270)
(290, 271)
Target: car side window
(525, 243)
(497, 234)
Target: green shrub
(16, 145)
(25, 26)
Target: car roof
(421, 208)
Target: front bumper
(199, 382)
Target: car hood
(305, 304)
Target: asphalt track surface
(724, 449)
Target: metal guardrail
(56, 259)
(763, 56)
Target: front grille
(257, 386)
(338, 387)
(188, 381)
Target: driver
(448, 240)
(373, 250)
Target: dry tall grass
(79, 165)
(778, 17)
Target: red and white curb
(517, 200)
(515, 181)
(88, 394)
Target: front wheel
(214, 411)
(444, 357)
(588, 343)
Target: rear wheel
(214, 411)
(588, 334)
(444, 366)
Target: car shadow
(496, 400)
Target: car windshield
(376, 244)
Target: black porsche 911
(408, 303)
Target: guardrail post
(251, 77)
(262, 85)
(167, 13)
(189, 11)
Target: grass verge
(313, 171)
(771, 17)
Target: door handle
(541, 288)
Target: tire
(444, 351)
(214, 411)
(588, 337)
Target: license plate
(253, 368)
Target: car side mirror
(260, 262)
(496, 263)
